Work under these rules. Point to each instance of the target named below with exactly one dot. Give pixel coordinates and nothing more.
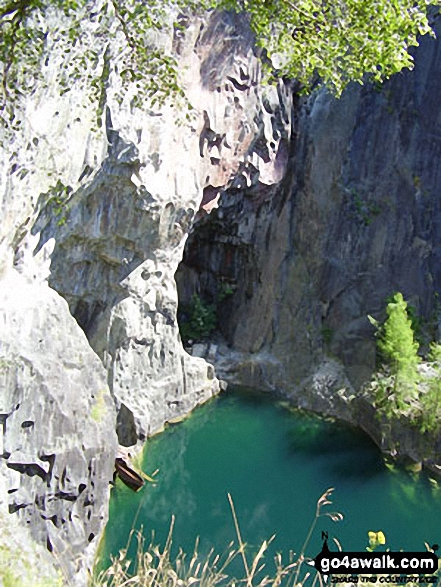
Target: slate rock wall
(355, 218)
(98, 193)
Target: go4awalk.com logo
(377, 563)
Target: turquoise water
(275, 464)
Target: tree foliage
(401, 387)
(400, 351)
(429, 417)
(311, 40)
(397, 343)
(337, 41)
(197, 320)
(30, 28)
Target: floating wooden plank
(128, 475)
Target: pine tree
(397, 345)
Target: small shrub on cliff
(198, 320)
(400, 352)
(429, 419)
(404, 386)
(435, 352)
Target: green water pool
(275, 464)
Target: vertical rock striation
(98, 193)
(57, 438)
(355, 218)
(324, 208)
(123, 232)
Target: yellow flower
(381, 538)
(376, 538)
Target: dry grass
(155, 567)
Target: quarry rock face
(355, 218)
(57, 424)
(304, 214)
(98, 195)
(122, 232)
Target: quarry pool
(275, 464)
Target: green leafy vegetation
(225, 290)
(198, 320)
(327, 334)
(404, 386)
(310, 40)
(430, 398)
(336, 42)
(429, 419)
(435, 352)
(56, 202)
(396, 343)
(364, 211)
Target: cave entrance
(207, 283)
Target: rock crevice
(95, 215)
(353, 218)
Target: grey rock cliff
(325, 208)
(355, 218)
(124, 229)
(94, 222)
(57, 420)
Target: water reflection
(344, 451)
(276, 464)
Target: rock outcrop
(304, 215)
(98, 194)
(355, 218)
(57, 427)
(123, 231)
